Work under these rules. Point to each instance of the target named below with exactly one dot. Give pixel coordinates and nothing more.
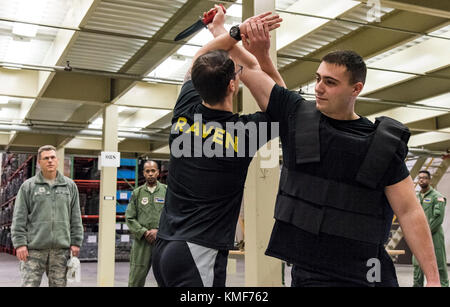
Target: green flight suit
(433, 203)
(142, 214)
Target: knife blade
(200, 24)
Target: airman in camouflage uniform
(47, 223)
(433, 203)
(142, 217)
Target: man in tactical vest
(342, 180)
(433, 204)
(142, 217)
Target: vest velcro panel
(385, 143)
(307, 141)
(316, 219)
(331, 193)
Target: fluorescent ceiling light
(419, 56)
(29, 11)
(170, 66)
(294, 26)
(22, 29)
(414, 115)
(97, 123)
(188, 51)
(4, 99)
(17, 51)
(12, 67)
(201, 38)
(143, 118)
(121, 109)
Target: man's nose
(319, 87)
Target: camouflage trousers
(51, 261)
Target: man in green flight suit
(142, 217)
(433, 203)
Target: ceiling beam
(19, 83)
(440, 172)
(85, 144)
(77, 15)
(366, 41)
(4, 139)
(427, 138)
(134, 146)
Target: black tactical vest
(337, 188)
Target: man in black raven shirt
(343, 178)
(211, 149)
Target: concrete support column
(440, 172)
(60, 155)
(260, 190)
(108, 187)
(417, 167)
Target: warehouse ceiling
(63, 61)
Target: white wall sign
(110, 159)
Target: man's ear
(232, 86)
(357, 88)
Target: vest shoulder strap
(307, 145)
(389, 136)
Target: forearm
(222, 42)
(269, 68)
(237, 52)
(418, 237)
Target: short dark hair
(352, 61)
(150, 161)
(211, 74)
(45, 148)
(426, 172)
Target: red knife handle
(209, 16)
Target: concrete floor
(10, 276)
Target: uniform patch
(144, 200)
(41, 190)
(441, 199)
(427, 200)
(159, 200)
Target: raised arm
(414, 224)
(258, 81)
(259, 74)
(224, 41)
(257, 43)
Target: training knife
(200, 24)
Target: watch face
(235, 33)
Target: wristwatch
(235, 32)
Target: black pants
(307, 278)
(184, 264)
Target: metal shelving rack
(9, 173)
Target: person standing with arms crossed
(47, 224)
(433, 204)
(142, 218)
